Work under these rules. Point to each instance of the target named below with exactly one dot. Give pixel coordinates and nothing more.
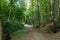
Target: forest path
(37, 35)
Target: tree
(55, 12)
(59, 9)
(0, 23)
(38, 8)
(10, 11)
(0, 28)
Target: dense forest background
(42, 14)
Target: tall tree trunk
(0, 23)
(59, 11)
(32, 12)
(0, 29)
(55, 12)
(10, 11)
(59, 8)
(9, 18)
(38, 7)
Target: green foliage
(17, 15)
(22, 12)
(11, 27)
(19, 34)
(44, 9)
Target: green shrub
(11, 27)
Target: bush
(11, 27)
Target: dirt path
(35, 35)
(38, 35)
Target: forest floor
(39, 35)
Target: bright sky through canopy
(28, 3)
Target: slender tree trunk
(0, 23)
(9, 15)
(59, 8)
(55, 12)
(38, 7)
(0, 29)
(59, 11)
(32, 13)
(10, 11)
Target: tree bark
(32, 13)
(38, 8)
(0, 30)
(10, 11)
(59, 8)
(9, 18)
(55, 12)
(0, 23)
